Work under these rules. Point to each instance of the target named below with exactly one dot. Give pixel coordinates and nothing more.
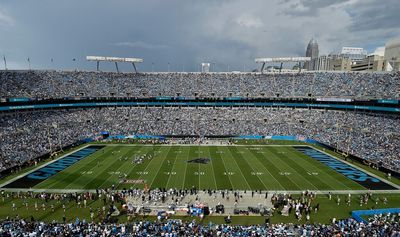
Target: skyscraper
(312, 52)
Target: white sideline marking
(122, 144)
(269, 191)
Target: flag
(301, 138)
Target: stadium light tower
(116, 60)
(5, 62)
(29, 63)
(281, 61)
(205, 67)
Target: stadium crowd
(379, 226)
(56, 84)
(29, 134)
(26, 135)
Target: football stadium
(123, 140)
(206, 150)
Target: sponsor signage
(133, 181)
(19, 99)
(335, 99)
(389, 101)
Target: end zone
(351, 172)
(44, 172)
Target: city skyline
(180, 35)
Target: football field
(204, 167)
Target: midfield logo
(200, 160)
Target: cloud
(249, 21)
(308, 8)
(189, 32)
(370, 15)
(5, 19)
(140, 44)
(380, 51)
(270, 33)
(317, 4)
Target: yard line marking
(101, 170)
(198, 165)
(133, 167)
(159, 167)
(186, 164)
(172, 168)
(263, 166)
(212, 167)
(248, 185)
(147, 165)
(198, 170)
(162, 165)
(218, 158)
(245, 160)
(270, 153)
(295, 171)
(140, 149)
(263, 159)
(300, 166)
(223, 163)
(78, 164)
(328, 176)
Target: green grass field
(329, 210)
(230, 167)
(244, 167)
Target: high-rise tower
(312, 52)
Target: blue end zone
(357, 214)
(37, 176)
(350, 172)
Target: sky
(229, 34)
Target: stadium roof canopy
(281, 60)
(116, 60)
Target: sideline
(325, 192)
(122, 144)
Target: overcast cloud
(185, 33)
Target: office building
(312, 52)
(392, 54)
